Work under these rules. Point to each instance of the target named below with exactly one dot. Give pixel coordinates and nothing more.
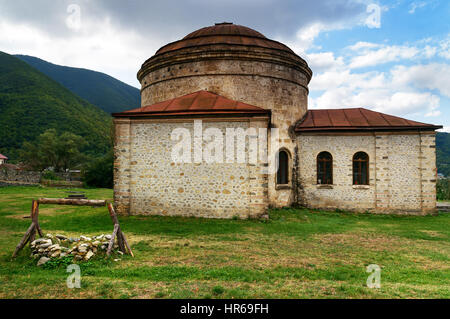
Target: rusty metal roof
(224, 33)
(197, 103)
(356, 119)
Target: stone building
(229, 78)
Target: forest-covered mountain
(443, 153)
(31, 103)
(104, 91)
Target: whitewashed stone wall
(402, 172)
(149, 182)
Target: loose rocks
(58, 246)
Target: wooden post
(121, 240)
(24, 240)
(34, 207)
(113, 237)
(30, 234)
(127, 245)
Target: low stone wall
(51, 183)
(8, 183)
(10, 174)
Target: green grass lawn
(298, 253)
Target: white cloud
(402, 90)
(304, 38)
(429, 52)
(383, 55)
(381, 100)
(97, 45)
(306, 35)
(416, 5)
(445, 48)
(433, 76)
(339, 78)
(324, 61)
(363, 45)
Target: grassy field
(297, 254)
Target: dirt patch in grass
(366, 241)
(251, 251)
(433, 233)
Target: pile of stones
(59, 246)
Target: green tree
(99, 171)
(60, 151)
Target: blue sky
(389, 56)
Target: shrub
(51, 176)
(218, 290)
(58, 262)
(443, 189)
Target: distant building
(233, 78)
(3, 159)
(441, 176)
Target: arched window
(283, 168)
(325, 168)
(360, 169)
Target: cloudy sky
(389, 56)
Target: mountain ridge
(31, 103)
(100, 89)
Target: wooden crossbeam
(72, 202)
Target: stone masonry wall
(122, 174)
(149, 182)
(402, 172)
(8, 174)
(342, 193)
(429, 171)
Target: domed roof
(224, 33)
(225, 28)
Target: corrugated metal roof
(224, 33)
(356, 119)
(3, 157)
(201, 102)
